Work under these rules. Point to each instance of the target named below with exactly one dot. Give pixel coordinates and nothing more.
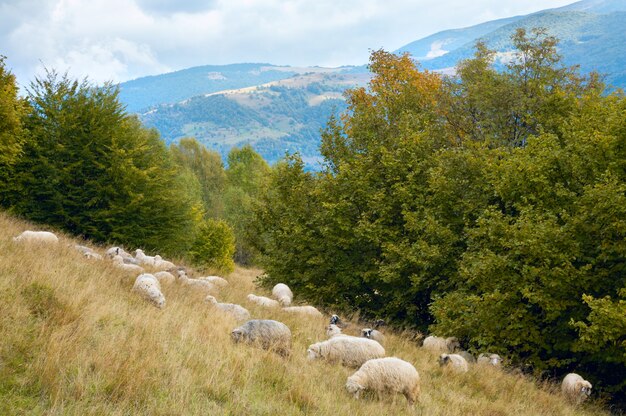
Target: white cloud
(123, 39)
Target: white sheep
(263, 301)
(149, 288)
(161, 264)
(454, 361)
(216, 280)
(489, 359)
(575, 388)
(283, 294)
(373, 334)
(236, 311)
(165, 277)
(87, 252)
(333, 330)
(386, 374)
(36, 237)
(438, 344)
(118, 261)
(345, 350)
(117, 251)
(266, 333)
(196, 284)
(304, 310)
(143, 259)
(468, 357)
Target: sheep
(333, 330)
(453, 361)
(119, 262)
(575, 388)
(335, 320)
(216, 280)
(437, 344)
(263, 301)
(161, 264)
(143, 259)
(36, 237)
(468, 357)
(165, 277)
(149, 288)
(117, 251)
(386, 374)
(266, 333)
(196, 284)
(490, 359)
(373, 334)
(238, 312)
(283, 294)
(348, 351)
(87, 252)
(305, 310)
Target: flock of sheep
(366, 352)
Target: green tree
(93, 170)
(12, 110)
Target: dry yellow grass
(74, 340)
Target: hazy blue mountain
(142, 93)
(591, 34)
(277, 117)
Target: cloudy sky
(124, 39)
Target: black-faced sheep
(266, 333)
(453, 361)
(373, 334)
(282, 294)
(345, 350)
(386, 374)
(575, 388)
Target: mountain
(143, 93)
(276, 117)
(590, 32)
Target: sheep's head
(353, 387)
(237, 335)
(366, 332)
(584, 387)
(444, 359)
(495, 359)
(453, 344)
(160, 301)
(313, 352)
(332, 330)
(334, 320)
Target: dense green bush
(214, 246)
(489, 205)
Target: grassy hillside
(75, 340)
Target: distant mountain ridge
(281, 109)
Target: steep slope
(276, 117)
(75, 340)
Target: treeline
(73, 159)
(490, 205)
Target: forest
(489, 205)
